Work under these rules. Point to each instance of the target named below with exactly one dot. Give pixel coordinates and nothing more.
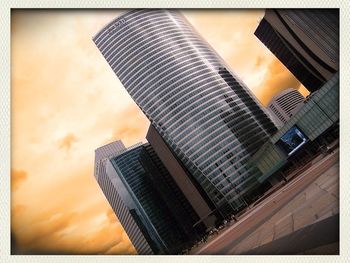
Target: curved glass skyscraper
(205, 114)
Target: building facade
(196, 197)
(319, 115)
(180, 208)
(202, 110)
(306, 41)
(103, 153)
(115, 197)
(152, 210)
(284, 105)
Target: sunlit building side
(284, 105)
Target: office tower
(306, 41)
(103, 153)
(189, 187)
(115, 196)
(153, 211)
(205, 114)
(285, 104)
(170, 193)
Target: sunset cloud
(71, 217)
(17, 177)
(277, 79)
(56, 234)
(67, 141)
(16, 210)
(129, 123)
(259, 61)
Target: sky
(66, 102)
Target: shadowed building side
(153, 215)
(183, 179)
(306, 41)
(174, 198)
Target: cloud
(276, 79)
(54, 234)
(61, 209)
(67, 141)
(130, 124)
(121, 249)
(259, 61)
(104, 239)
(41, 232)
(111, 215)
(70, 217)
(17, 177)
(17, 210)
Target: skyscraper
(285, 104)
(115, 197)
(188, 185)
(103, 153)
(205, 114)
(306, 41)
(153, 211)
(181, 210)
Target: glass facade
(205, 114)
(161, 213)
(306, 41)
(320, 113)
(151, 208)
(117, 196)
(292, 140)
(163, 182)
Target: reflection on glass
(292, 140)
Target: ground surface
(310, 197)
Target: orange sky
(66, 102)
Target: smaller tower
(151, 208)
(284, 105)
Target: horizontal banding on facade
(178, 81)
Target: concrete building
(190, 188)
(284, 105)
(306, 41)
(179, 206)
(103, 153)
(208, 118)
(152, 210)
